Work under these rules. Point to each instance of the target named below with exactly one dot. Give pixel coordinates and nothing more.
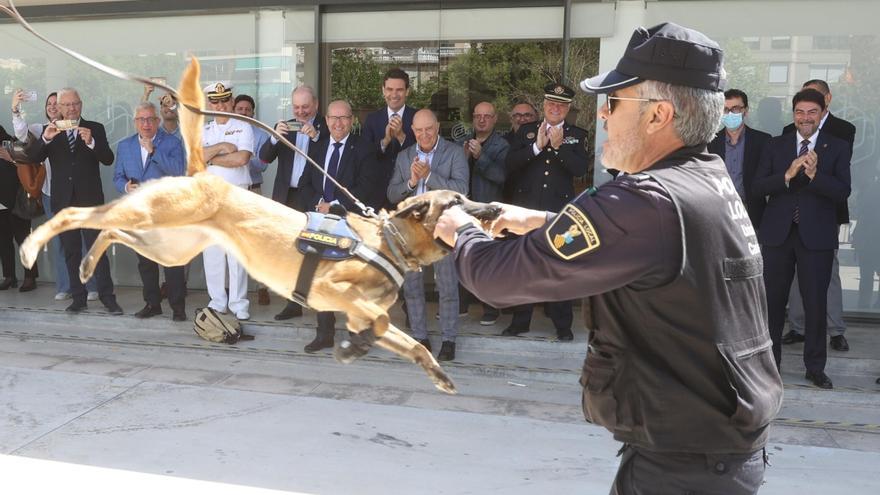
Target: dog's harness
(330, 237)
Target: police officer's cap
(558, 92)
(221, 89)
(669, 53)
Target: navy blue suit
(167, 159)
(285, 155)
(76, 181)
(372, 132)
(807, 245)
(754, 147)
(353, 172)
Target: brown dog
(171, 220)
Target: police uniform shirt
(235, 132)
(625, 233)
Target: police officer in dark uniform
(679, 364)
(543, 160)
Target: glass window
(780, 42)
(830, 42)
(830, 73)
(778, 73)
(752, 42)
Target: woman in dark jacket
(11, 226)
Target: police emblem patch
(572, 234)
(559, 90)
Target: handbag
(26, 206)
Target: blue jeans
(62, 280)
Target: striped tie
(805, 147)
(71, 140)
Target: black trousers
(72, 243)
(13, 228)
(175, 278)
(643, 472)
(559, 312)
(814, 276)
(326, 324)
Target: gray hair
(305, 88)
(697, 111)
(344, 103)
(65, 91)
(145, 105)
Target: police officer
(679, 364)
(543, 160)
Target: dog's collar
(397, 246)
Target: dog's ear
(417, 210)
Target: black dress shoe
(76, 307)
(148, 311)
(426, 343)
(114, 308)
(819, 379)
(792, 337)
(512, 331)
(290, 311)
(319, 343)
(28, 285)
(447, 351)
(178, 315)
(839, 343)
(8, 282)
(564, 335)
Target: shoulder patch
(572, 234)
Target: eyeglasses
(523, 115)
(146, 120)
(72, 104)
(219, 100)
(338, 118)
(609, 101)
(736, 109)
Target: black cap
(669, 53)
(558, 92)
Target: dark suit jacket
(354, 173)
(9, 182)
(545, 181)
(842, 129)
(285, 157)
(372, 132)
(755, 142)
(815, 199)
(76, 176)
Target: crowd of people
(398, 153)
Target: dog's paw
(28, 252)
(87, 267)
(441, 380)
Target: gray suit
(449, 170)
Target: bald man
(431, 164)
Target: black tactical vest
(688, 367)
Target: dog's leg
(403, 345)
(66, 219)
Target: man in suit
(228, 147)
(542, 163)
(304, 130)
(342, 157)
(76, 181)
(145, 156)
(740, 147)
(839, 128)
(805, 174)
(389, 130)
(431, 164)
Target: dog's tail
(191, 123)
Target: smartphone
(159, 80)
(294, 125)
(30, 96)
(7, 145)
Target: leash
(12, 12)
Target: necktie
(805, 147)
(332, 168)
(71, 140)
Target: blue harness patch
(328, 235)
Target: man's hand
(131, 186)
(555, 135)
(794, 168)
(86, 135)
(417, 171)
(309, 130)
(322, 207)
(518, 220)
(50, 132)
(148, 90)
(281, 127)
(474, 148)
(394, 130)
(5, 156)
(543, 138)
(451, 219)
(811, 164)
(146, 144)
(17, 98)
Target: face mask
(732, 120)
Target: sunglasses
(610, 101)
(220, 100)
